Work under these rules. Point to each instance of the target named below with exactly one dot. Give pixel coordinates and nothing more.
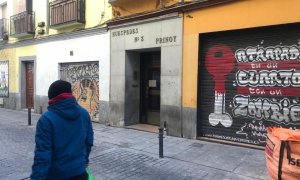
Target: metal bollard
(29, 116)
(161, 142)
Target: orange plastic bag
(283, 153)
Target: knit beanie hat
(58, 87)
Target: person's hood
(66, 108)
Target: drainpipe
(161, 3)
(48, 18)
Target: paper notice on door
(152, 83)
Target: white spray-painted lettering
(230, 138)
(282, 111)
(266, 78)
(255, 130)
(271, 53)
(259, 91)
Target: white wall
(9, 7)
(40, 9)
(93, 48)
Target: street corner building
(46, 40)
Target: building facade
(217, 69)
(240, 69)
(146, 67)
(50, 40)
(231, 74)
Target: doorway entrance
(150, 69)
(27, 82)
(29, 69)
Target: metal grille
(4, 90)
(22, 23)
(84, 78)
(66, 11)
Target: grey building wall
(132, 88)
(171, 91)
(10, 102)
(165, 35)
(104, 112)
(189, 124)
(117, 88)
(41, 104)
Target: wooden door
(29, 85)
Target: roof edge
(179, 7)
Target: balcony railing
(3, 29)
(22, 24)
(66, 13)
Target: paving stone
(120, 153)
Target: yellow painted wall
(235, 15)
(97, 13)
(21, 51)
(12, 55)
(130, 7)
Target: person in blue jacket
(64, 137)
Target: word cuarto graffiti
(264, 78)
(254, 54)
(263, 108)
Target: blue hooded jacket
(64, 136)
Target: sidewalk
(121, 153)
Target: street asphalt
(121, 153)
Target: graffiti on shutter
(4, 79)
(84, 78)
(249, 81)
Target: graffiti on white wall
(4, 79)
(84, 78)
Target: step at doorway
(144, 127)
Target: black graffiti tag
(76, 72)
